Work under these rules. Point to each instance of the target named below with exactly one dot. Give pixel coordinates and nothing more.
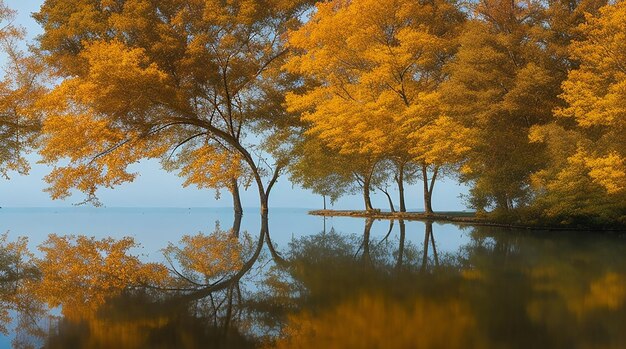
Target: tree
(20, 87)
(318, 168)
(439, 142)
(326, 172)
(371, 60)
(586, 177)
(142, 78)
(502, 83)
(211, 165)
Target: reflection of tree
(365, 245)
(80, 273)
(200, 260)
(17, 274)
(380, 322)
(429, 239)
(109, 298)
(516, 290)
(503, 289)
(138, 320)
(543, 289)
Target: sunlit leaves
(151, 75)
(596, 94)
(368, 64)
(210, 166)
(586, 177)
(371, 61)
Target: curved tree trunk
(264, 192)
(391, 206)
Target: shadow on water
(389, 289)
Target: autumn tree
(20, 87)
(371, 62)
(143, 78)
(208, 164)
(504, 80)
(586, 177)
(320, 169)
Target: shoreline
(464, 218)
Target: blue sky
(157, 188)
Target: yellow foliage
(208, 256)
(151, 75)
(596, 96)
(80, 273)
(209, 166)
(372, 61)
(608, 171)
(22, 83)
(373, 322)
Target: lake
(197, 278)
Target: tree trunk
(324, 196)
(264, 205)
(236, 197)
(428, 189)
(366, 241)
(400, 179)
(428, 203)
(428, 207)
(366, 194)
(401, 245)
(427, 232)
(236, 225)
(391, 207)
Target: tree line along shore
(523, 101)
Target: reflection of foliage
(500, 290)
(377, 322)
(516, 289)
(555, 289)
(15, 269)
(80, 273)
(205, 258)
(18, 306)
(138, 320)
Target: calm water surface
(198, 278)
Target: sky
(155, 187)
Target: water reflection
(374, 289)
